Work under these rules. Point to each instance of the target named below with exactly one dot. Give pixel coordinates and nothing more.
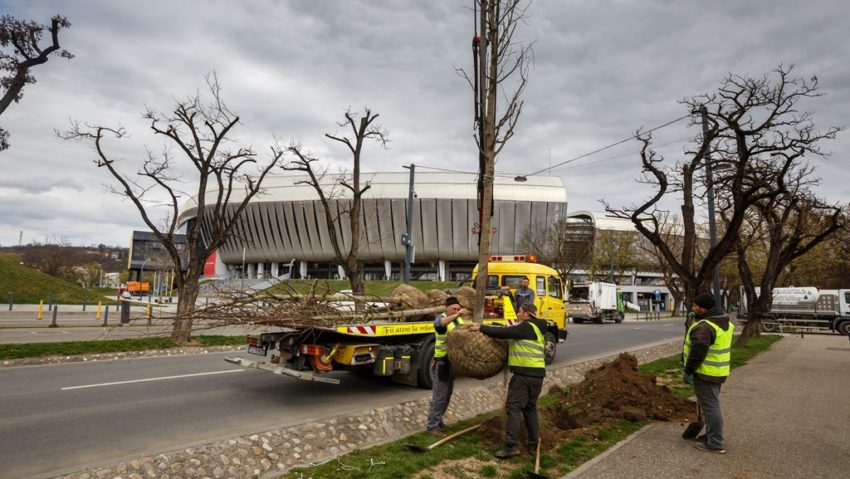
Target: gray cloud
(291, 68)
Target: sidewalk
(787, 414)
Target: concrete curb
(587, 465)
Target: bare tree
(24, 37)
(753, 133)
(200, 131)
(501, 58)
(795, 222)
(362, 129)
(614, 253)
(563, 244)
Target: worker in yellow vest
(707, 359)
(442, 375)
(527, 360)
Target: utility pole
(712, 226)
(407, 237)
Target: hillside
(30, 286)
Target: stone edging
(270, 454)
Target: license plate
(258, 350)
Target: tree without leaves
(563, 245)
(201, 132)
(755, 130)
(500, 58)
(24, 38)
(362, 129)
(794, 223)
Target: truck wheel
(577, 320)
(423, 365)
(619, 318)
(550, 347)
(598, 320)
(769, 326)
(844, 328)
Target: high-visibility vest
(718, 360)
(440, 349)
(528, 353)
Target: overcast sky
(290, 69)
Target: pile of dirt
(616, 390)
(611, 393)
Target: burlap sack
(437, 297)
(410, 297)
(475, 354)
(466, 296)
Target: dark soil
(613, 392)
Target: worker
(523, 294)
(707, 355)
(527, 360)
(442, 375)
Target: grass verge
(37, 350)
(465, 458)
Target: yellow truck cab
(505, 272)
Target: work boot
(507, 452)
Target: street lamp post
(712, 222)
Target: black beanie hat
(451, 300)
(705, 301)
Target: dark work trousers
(708, 396)
(443, 378)
(523, 392)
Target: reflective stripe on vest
(718, 360)
(527, 353)
(440, 349)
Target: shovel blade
(415, 448)
(692, 430)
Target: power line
(610, 146)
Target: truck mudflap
(283, 371)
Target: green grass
(669, 370)
(376, 288)
(37, 350)
(30, 286)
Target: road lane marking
(151, 379)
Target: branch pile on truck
(805, 307)
(398, 341)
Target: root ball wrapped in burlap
(475, 354)
(410, 297)
(437, 297)
(466, 296)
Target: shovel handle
(537, 458)
(454, 435)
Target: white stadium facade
(283, 232)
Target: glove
(687, 378)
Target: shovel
(536, 474)
(415, 448)
(694, 428)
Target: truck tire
(620, 317)
(550, 347)
(598, 320)
(769, 326)
(844, 328)
(577, 320)
(423, 365)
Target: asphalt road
(60, 418)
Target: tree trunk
(182, 331)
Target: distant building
(283, 232)
(148, 254)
